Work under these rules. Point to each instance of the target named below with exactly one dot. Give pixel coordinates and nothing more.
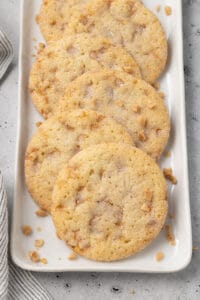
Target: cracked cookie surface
(109, 202)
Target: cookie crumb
(167, 154)
(33, 55)
(72, 256)
(27, 230)
(171, 216)
(34, 256)
(40, 47)
(136, 108)
(170, 235)
(38, 124)
(169, 175)
(168, 10)
(43, 261)
(34, 39)
(41, 213)
(159, 256)
(39, 229)
(158, 7)
(195, 248)
(39, 243)
(132, 291)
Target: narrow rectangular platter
(172, 84)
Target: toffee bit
(168, 10)
(158, 7)
(41, 213)
(34, 256)
(136, 108)
(169, 175)
(38, 124)
(27, 230)
(43, 261)
(170, 235)
(72, 256)
(159, 256)
(39, 243)
(167, 154)
(142, 137)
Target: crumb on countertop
(41, 213)
(39, 243)
(169, 175)
(195, 248)
(43, 261)
(27, 230)
(132, 291)
(34, 256)
(159, 256)
(38, 124)
(39, 229)
(72, 256)
(168, 10)
(170, 235)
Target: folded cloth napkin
(15, 283)
(6, 53)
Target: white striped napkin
(6, 53)
(15, 283)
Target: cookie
(57, 140)
(54, 17)
(63, 61)
(130, 24)
(109, 202)
(132, 102)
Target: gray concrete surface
(184, 285)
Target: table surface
(182, 285)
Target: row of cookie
(132, 104)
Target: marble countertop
(184, 285)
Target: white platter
(172, 84)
